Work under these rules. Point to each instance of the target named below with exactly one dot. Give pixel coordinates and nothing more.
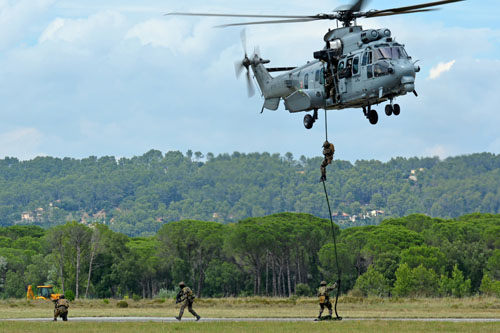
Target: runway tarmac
(188, 319)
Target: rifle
(178, 298)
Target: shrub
(455, 285)
(166, 294)
(358, 293)
(159, 300)
(136, 297)
(372, 283)
(105, 301)
(70, 295)
(122, 304)
(490, 287)
(419, 281)
(303, 289)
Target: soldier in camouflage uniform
(324, 298)
(187, 299)
(328, 151)
(61, 308)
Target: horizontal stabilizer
(280, 69)
(272, 103)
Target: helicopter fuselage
(357, 68)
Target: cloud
(22, 143)
(177, 35)
(438, 150)
(98, 79)
(15, 16)
(82, 30)
(494, 146)
(440, 69)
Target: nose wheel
(397, 110)
(310, 120)
(392, 109)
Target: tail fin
(262, 76)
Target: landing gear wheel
(389, 109)
(308, 121)
(397, 110)
(373, 117)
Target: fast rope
(333, 233)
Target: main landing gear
(372, 115)
(392, 109)
(310, 120)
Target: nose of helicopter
(405, 71)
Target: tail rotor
(245, 63)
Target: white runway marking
(168, 319)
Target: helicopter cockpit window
(355, 66)
(394, 52)
(367, 58)
(381, 68)
(316, 76)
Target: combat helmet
(322, 283)
(62, 296)
(182, 284)
(326, 144)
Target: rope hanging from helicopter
(339, 281)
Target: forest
(137, 196)
(282, 254)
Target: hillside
(136, 196)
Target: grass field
(260, 307)
(257, 307)
(351, 326)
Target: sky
(117, 77)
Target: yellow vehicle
(42, 292)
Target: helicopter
(355, 69)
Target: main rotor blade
(250, 88)
(356, 7)
(401, 10)
(243, 36)
(376, 14)
(237, 15)
(271, 22)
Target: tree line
(282, 254)
(137, 195)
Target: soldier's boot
(55, 319)
(194, 313)
(178, 318)
(65, 318)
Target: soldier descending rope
(328, 151)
